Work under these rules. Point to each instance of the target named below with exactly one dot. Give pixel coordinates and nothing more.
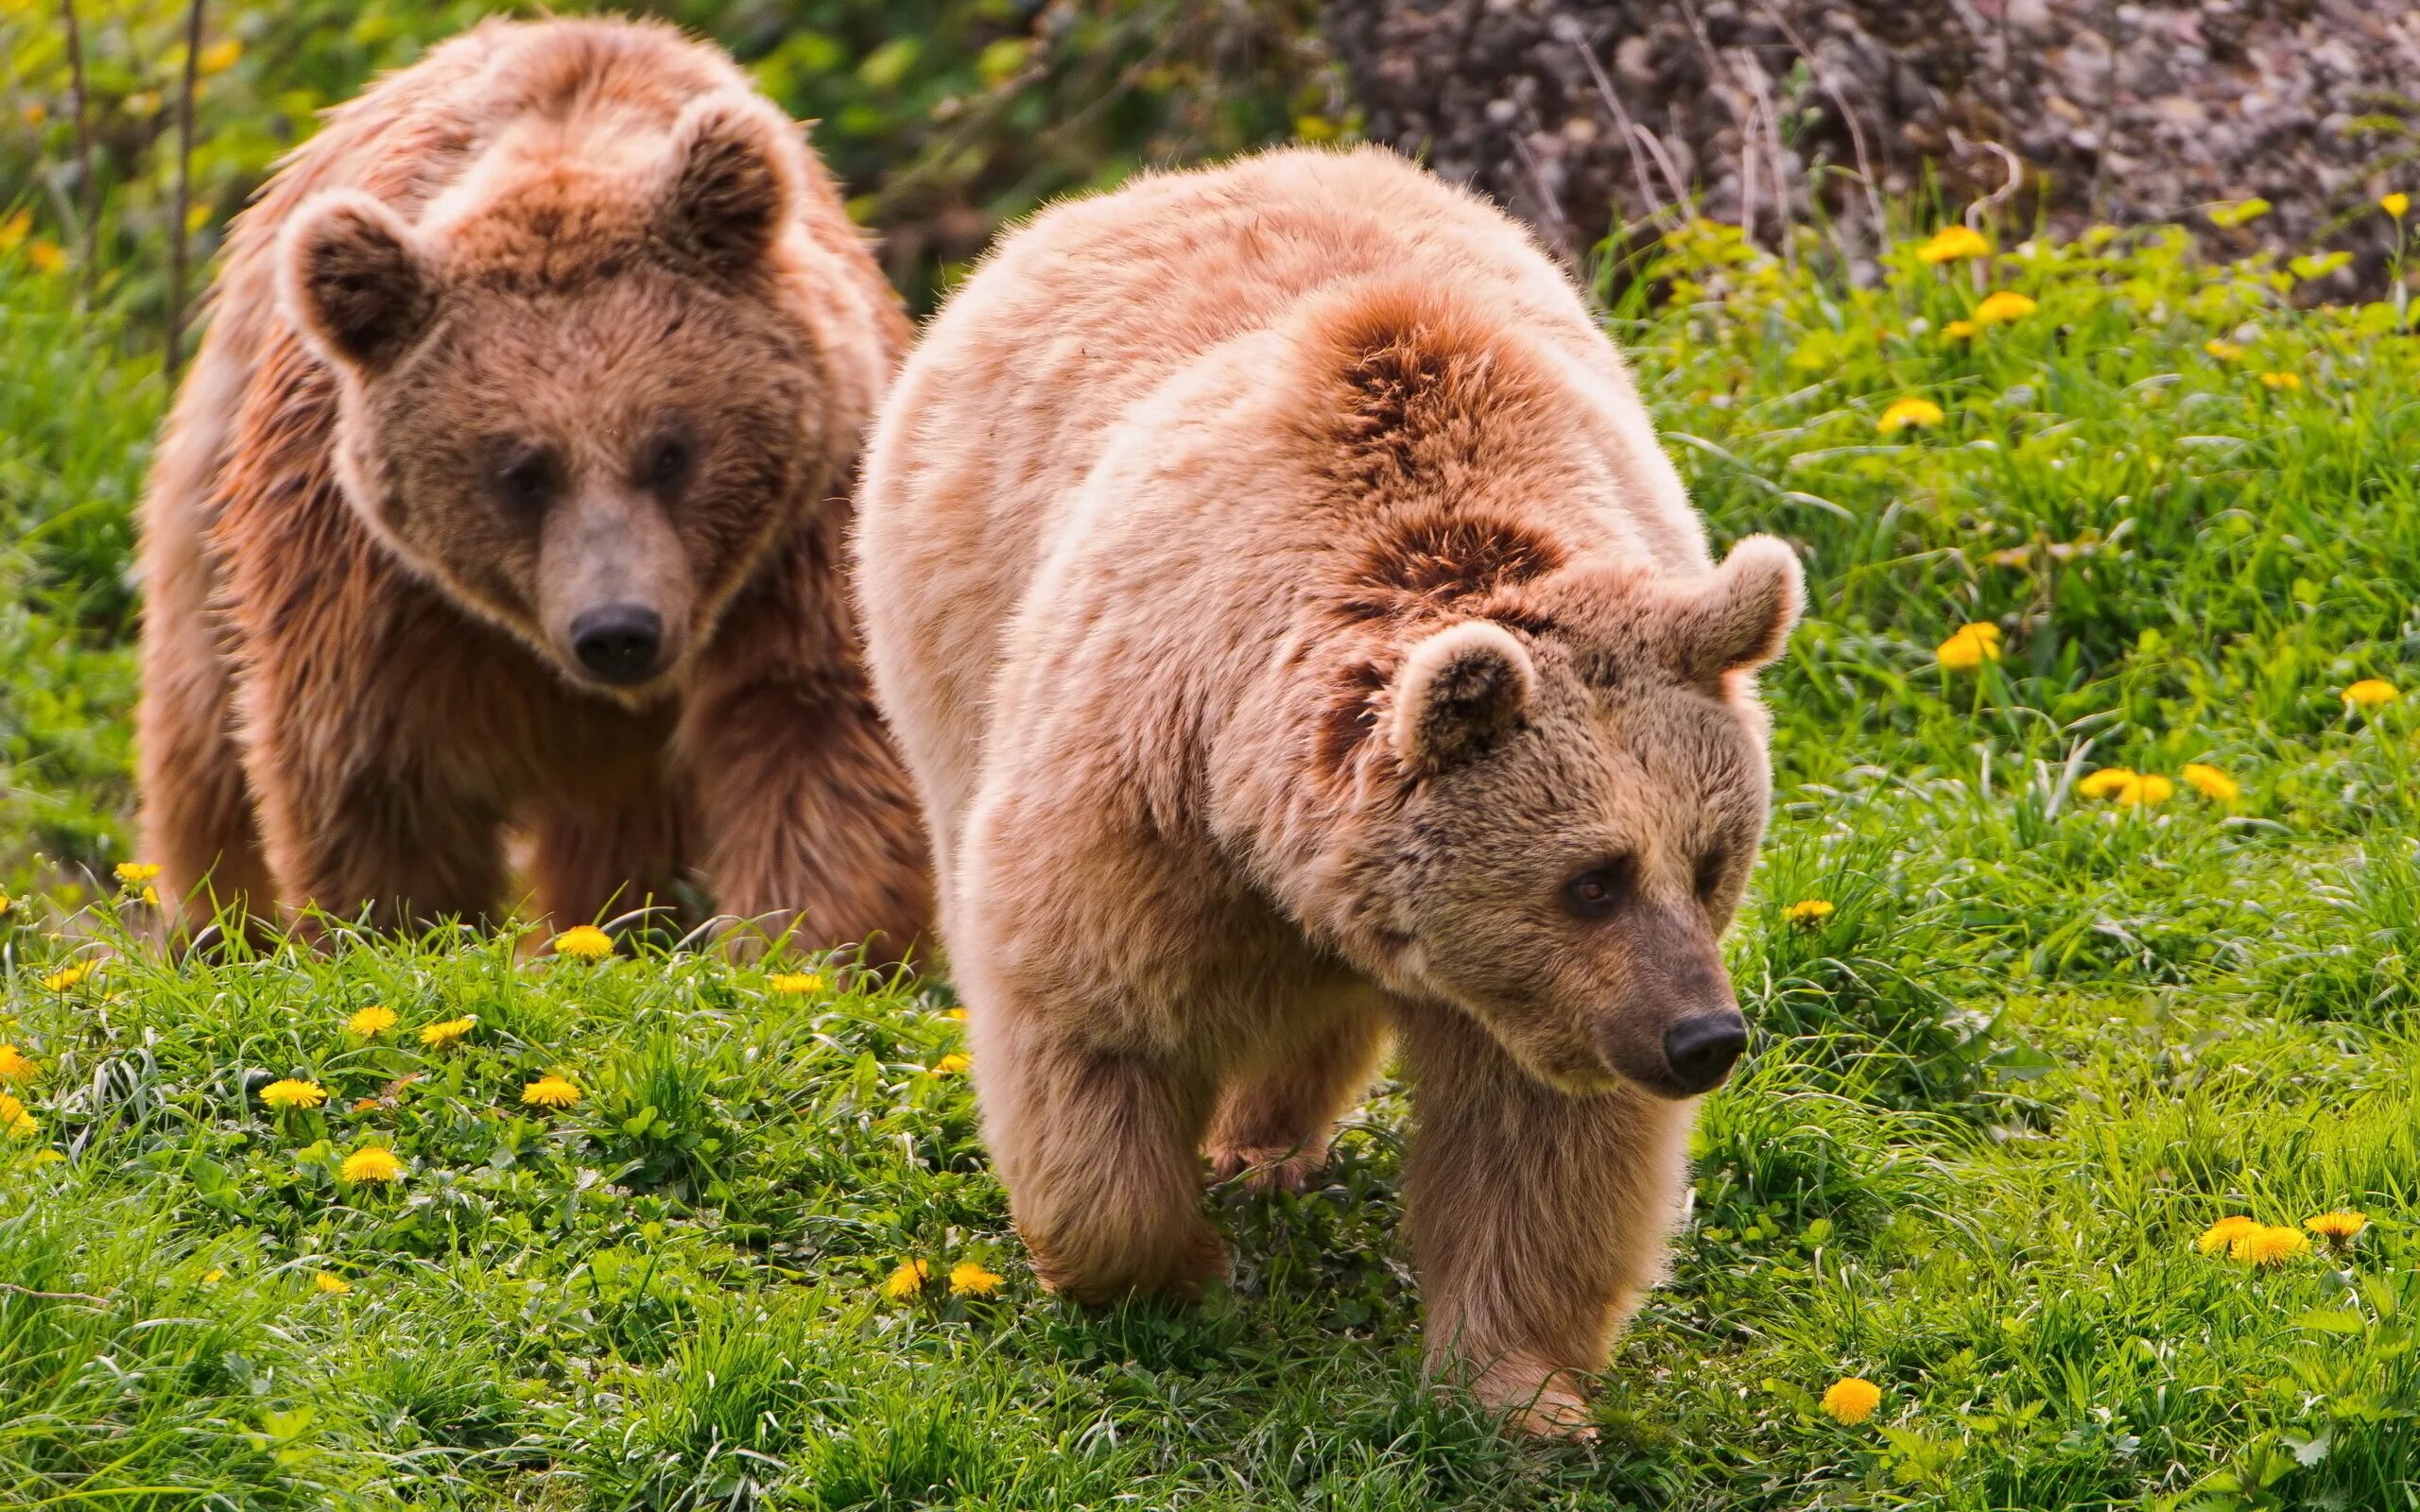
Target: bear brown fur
(558, 329)
(1297, 632)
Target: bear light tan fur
(510, 488)
(1296, 631)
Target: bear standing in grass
(1296, 631)
(510, 489)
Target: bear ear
(1739, 616)
(1459, 690)
(355, 279)
(730, 181)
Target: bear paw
(1267, 1167)
(1181, 1269)
(1542, 1400)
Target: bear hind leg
(1273, 1124)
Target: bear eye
(668, 463)
(1597, 891)
(1709, 876)
(528, 480)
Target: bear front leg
(345, 834)
(807, 818)
(1097, 1149)
(604, 858)
(1538, 1218)
(1273, 1123)
(197, 822)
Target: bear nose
(619, 642)
(1701, 1049)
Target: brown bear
(509, 492)
(1296, 631)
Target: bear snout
(1700, 1049)
(620, 643)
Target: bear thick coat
(1296, 631)
(509, 489)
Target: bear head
(580, 394)
(1563, 796)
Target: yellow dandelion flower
(213, 1275)
(967, 1278)
(795, 984)
(6, 904)
(2224, 350)
(219, 56)
(585, 943)
(438, 1035)
(1951, 243)
(2211, 782)
(151, 896)
(15, 1065)
(907, 1281)
(371, 1021)
(2148, 789)
(2003, 308)
(15, 1121)
(2287, 381)
(2107, 782)
(550, 1092)
(2371, 692)
(136, 873)
(1808, 913)
(2224, 1232)
(331, 1283)
(951, 1064)
(46, 256)
(370, 1163)
(1906, 412)
(2265, 1245)
(2336, 1227)
(287, 1091)
(1960, 331)
(1851, 1398)
(2395, 204)
(954, 1015)
(1969, 647)
(69, 977)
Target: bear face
(1584, 789)
(574, 396)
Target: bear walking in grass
(509, 489)
(1296, 632)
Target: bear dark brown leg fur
(343, 826)
(196, 823)
(606, 857)
(1538, 1218)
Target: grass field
(2041, 1040)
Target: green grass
(2041, 1042)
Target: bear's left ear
(355, 279)
(1739, 616)
(729, 183)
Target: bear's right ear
(1459, 690)
(355, 279)
(730, 181)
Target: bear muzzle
(1700, 1050)
(621, 643)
